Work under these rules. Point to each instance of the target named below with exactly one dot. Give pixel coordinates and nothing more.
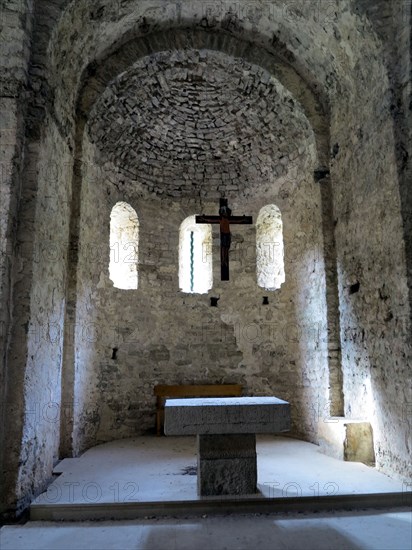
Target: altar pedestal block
(226, 464)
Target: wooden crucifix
(224, 219)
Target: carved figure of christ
(224, 220)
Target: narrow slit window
(195, 257)
(124, 246)
(192, 263)
(269, 248)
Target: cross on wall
(224, 220)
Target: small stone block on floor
(358, 444)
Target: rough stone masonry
(169, 106)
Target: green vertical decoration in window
(192, 267)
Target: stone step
(216, 506)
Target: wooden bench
(163, 391)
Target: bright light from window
(269, 248)
(195, 257)
(124, 242)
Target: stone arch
(357, 53)
(100, 72)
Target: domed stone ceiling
(185, 122)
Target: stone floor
(149, 469)
(382, 530)
(161, 469)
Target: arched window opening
(124, 243)
(269, 248)
(195, 257)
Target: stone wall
(158, 334)
(35, 349)
(334, 62)
(371, 261)
(15, 35)
(392, 22)
(376, 353)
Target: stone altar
(226, 431)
